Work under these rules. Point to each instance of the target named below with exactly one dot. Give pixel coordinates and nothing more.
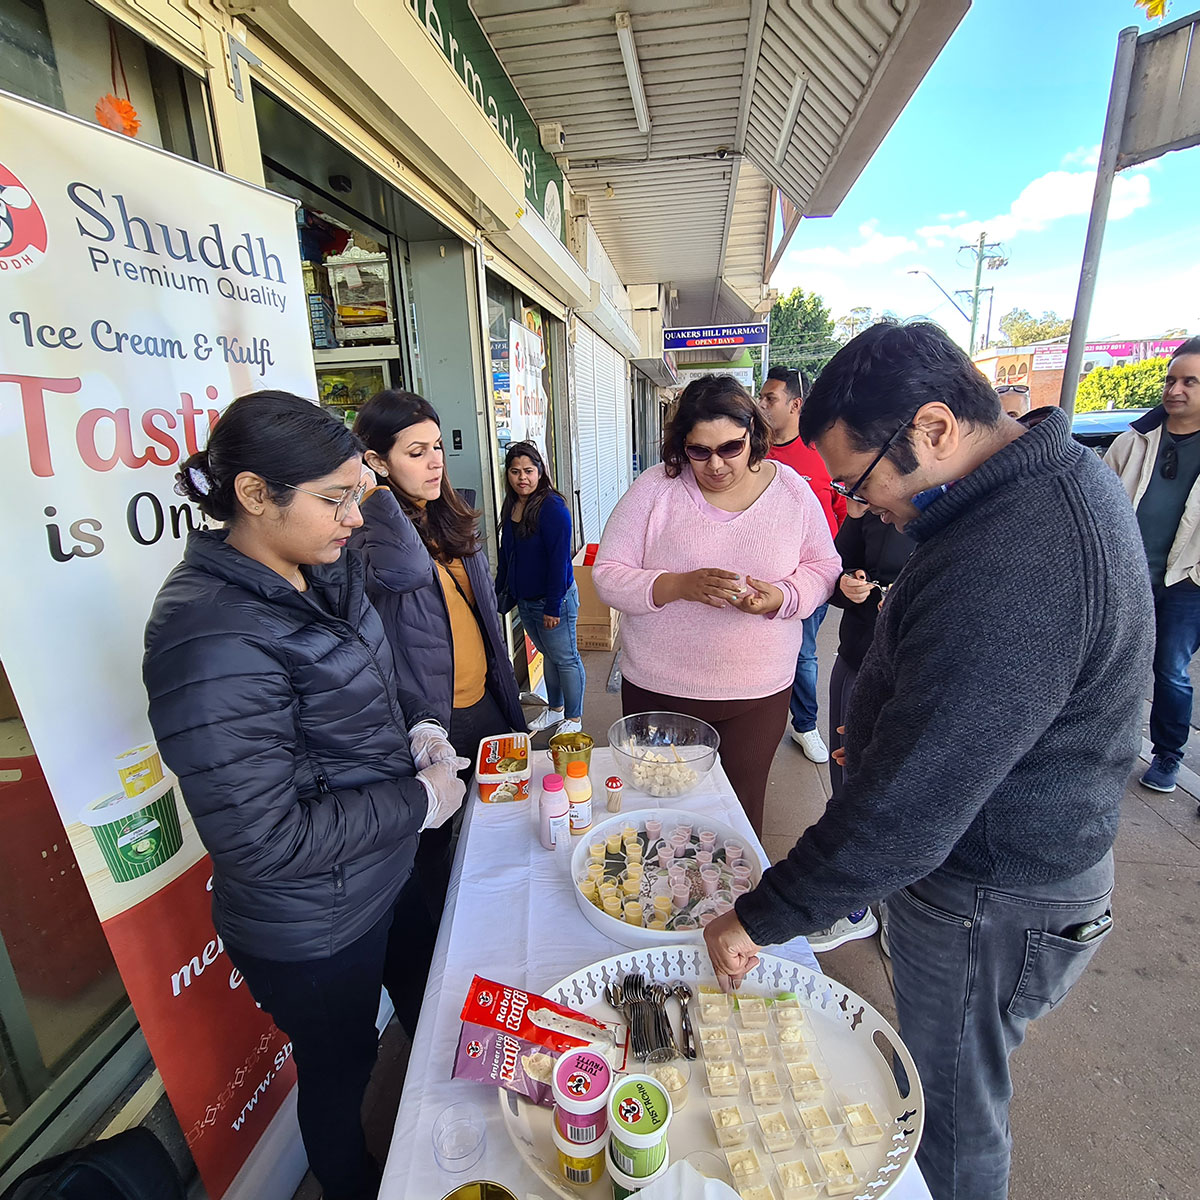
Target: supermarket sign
(704, 336)
(457, 33)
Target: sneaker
(547, 717)
(575, 726)
(861, 924)
(883, 935)
(810, 742)
(1161, 774)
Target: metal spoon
(683, 994)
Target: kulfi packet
(491, 1056)
(533, 1018)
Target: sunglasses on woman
(725, 450)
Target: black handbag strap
(467, 601)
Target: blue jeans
(565, 676)
(804, 686)
(972, 966)
(1177, 628)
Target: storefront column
(445, 295)
(235, 130)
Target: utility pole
(991, 254)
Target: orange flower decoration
(118, 115)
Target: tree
(854, 322)
(801, 332)
(1021, 328)
(1135, 385)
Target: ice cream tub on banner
(136, 833)
(139, 769)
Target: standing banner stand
(141, 294)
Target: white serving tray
(637, 935)
(855, 1041)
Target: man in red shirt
(779, 402)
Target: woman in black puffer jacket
(273, 697)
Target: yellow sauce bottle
(579, 796)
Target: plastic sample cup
(459, 1137)
(710, 879)
(653, 829)
(596, 851)
(613, 843)
(634, 913)
(612, 906)
(681, 897)
(708, 839)
(734, 852)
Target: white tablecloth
(511, 916)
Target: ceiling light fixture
(633, 73)
(790, 118)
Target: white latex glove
(445, 790)
(429, 744)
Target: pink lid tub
(582, 1081)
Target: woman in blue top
(535, 573)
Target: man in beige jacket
(1158, 461)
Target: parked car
(1100, 429)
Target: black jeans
(327, 1007)
(435, 850)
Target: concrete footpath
(1107, 1088)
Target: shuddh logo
(486, 999)
(22, 226)
(474, 1049)
(630, 1110)
(579, 1084)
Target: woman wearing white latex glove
(274, 697)
(446, 790)
(431, 744)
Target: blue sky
(1002, 135)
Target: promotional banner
(527, 397)
(139, 294)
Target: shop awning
(743, 104)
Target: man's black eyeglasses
(1170, 462)
(1023, 388)
(851, 493)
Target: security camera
(722, 152)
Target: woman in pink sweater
(715, 557)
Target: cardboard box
(592, 610)
(597, 636)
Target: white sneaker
(570, 727)
(861, 924)
(547, 717)
(810, 742)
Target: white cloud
(954, 216)
(1082, 156)
(1048, 198)
(875, 248)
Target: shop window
(59, 986)
(69, 55)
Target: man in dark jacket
(985, 761)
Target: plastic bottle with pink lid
(554, 813)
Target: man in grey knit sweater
(990, 733)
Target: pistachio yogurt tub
(137, 833)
